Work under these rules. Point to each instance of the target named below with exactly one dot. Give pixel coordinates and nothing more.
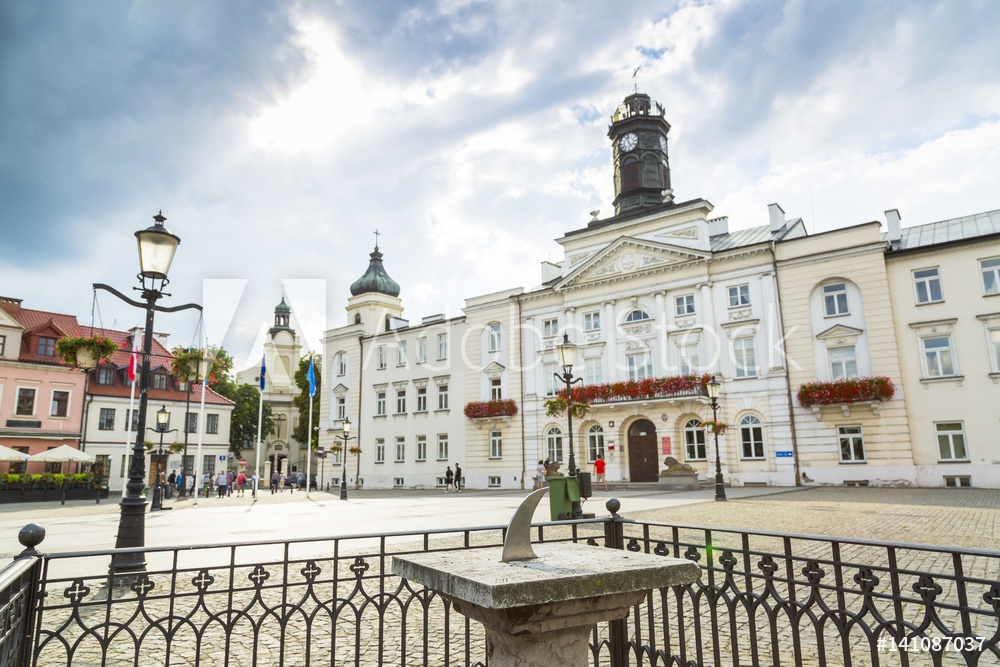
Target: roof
(740, 238)
(375, 279)
(161, 355)
(632, 213)
(33, 320)
(171, 394)
(949, 231)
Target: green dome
(375, 279)
(282, 307)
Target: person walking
(599, 472)
(220, 484)
(206, 483)
(274, 482)
(540, 476)
(281, 482)
(180, 483)
(230, 482)
(458, 478)
(171, 483)
(254, 484)
(449, 480)
(241, 484)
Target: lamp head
(567, 354)
(156, 249)
(347, 427)
(162, 418)
(713, 388)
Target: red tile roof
(33, 320)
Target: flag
(263, 371)
(311, 376)
(133, 362)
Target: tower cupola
(375, 279)
(282, 315)
(638, 134)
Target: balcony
(481, 412)
(676, 386)
(871, 391)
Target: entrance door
(643, 460)
(157, 464)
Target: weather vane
(635, 79)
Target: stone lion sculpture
(674, 467)
(552, 470)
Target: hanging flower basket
(555, 407)
(177, 447)
(355, 450)
(184, 365)
(714, 426)
(85, 351)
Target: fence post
(617, 630)
(21, 582)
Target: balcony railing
(850, 390)
(504, 407)
(676, 386)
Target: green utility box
(562, 492)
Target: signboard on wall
(665, 444)
(782, 455)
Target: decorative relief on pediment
(684, 324)
(592, 337)
(573, 261)
(637, 345)
(628, 261)
(685, 233)
(741, 314)
(607, 269)
(650, 260)
(637, 329)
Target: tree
(302, 400)
(243, 426)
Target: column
(610, 325)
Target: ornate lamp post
(156, 251)
(343, 459)
(567, 357)
(713, 393)
(162, 420)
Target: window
(381, 357)
(743, 358)
(636, 316)
(835, 299)
(494, 338)
(341, 407)
(496, 392)
(990, 269)
(442, 346)
(739, 295)
(379, 403)
(442, 397)
(843, 363)
(106, 420)
(553, 444)
(3, 345)
(684, 305)
(694, 441)
(927, 284)
(595, 443)
(421, 350)
(938, 358)
(105, 375)
(752, 437)
(550, 371)
(421, 399)
(400, 448)
(379, 450)
(550, 327)
(159, 381)
(132, 419)
(496, 444)
(401, 353)
(400, 401)
(852, 444)
(688, 355)
(592, 321)
(191, 423)
(594, 372)
(442, 447)
(208, 464)
(398, 482)
(183, 386)
(212, 423)
(46, 346)
(951, 441)
(25, 402)
(21, 467)
(494, 481)
(995, 347)
(341, 364)
(60, 403)
(640, 366)
(421, 447)
(958, 480)
(187, 465)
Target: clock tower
(638, 136)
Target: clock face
(663, 144)
(628, 142)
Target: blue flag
(263, 371)
(311, 376)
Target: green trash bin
(560, 504)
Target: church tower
(638, 134)
(374, 298)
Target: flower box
(505, 407)
(851, 390)
(633, 390)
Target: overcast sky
(277, 136)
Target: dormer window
(637, 315)
(46, 346)
(105, 375)
(159, 381)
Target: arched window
(630, 174)
(553, 444)
(752, 437)
(595, 443)
(694, 440)
(341, 364)
(357, 318)
(637, 315)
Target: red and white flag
(133, 362)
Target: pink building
(41, 399)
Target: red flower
(850, 390)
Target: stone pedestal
(678, 482)
(540, 612)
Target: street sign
(243, 462)
(783, 455)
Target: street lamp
(162, 421)
(567, 357)
(713, 393)
(156, 252)
(343, 459)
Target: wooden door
(643, 459)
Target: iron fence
(763, 599)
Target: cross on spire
(376, 239)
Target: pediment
(7, 321)
(839, 331)
(340, 389)
(48, 327)
(626, 256)
(494, 367)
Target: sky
(278, 136)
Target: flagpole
(309, 426)
(201, 418)
(260, 417)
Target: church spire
(282, 315)
(375, 278)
